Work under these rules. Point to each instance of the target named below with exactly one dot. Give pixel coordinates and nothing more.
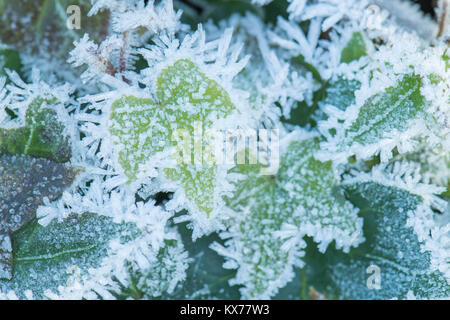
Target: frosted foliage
(121, 172)
(369, 128)
(92, 257)
(392, 246)
(24, 183)
(130, 119)
(302, 199)
(143, 128)
(132, 14)
(48, 256)
(378, 122)
(341, 93)
(167, 269)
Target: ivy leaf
(383, 116)
(42, 136)
(389, 110)
(303, 198)
(132, 117)
(143, 128)
(391, 248)
(24, 182)
(44, 257)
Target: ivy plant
(245, 149)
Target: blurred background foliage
(37, 28)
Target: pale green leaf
(305, 194)
(186, 98)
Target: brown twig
(123, 52)
(123, 55)
(443, 18)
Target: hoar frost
(95, 205)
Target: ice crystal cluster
(332, 116)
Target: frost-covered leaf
(391, 247)
(91, 256)
(302, 199)
(45, 257)
(132, 117)
(186, 97)
(143, 257)
(388, 111)
(24, 183)
(42, 136)
(377, 123)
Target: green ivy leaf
(43, 135)
(44, 256)
(186, 97)
(24, 182)
(305, 194)
(391, 247)
(387, 111)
